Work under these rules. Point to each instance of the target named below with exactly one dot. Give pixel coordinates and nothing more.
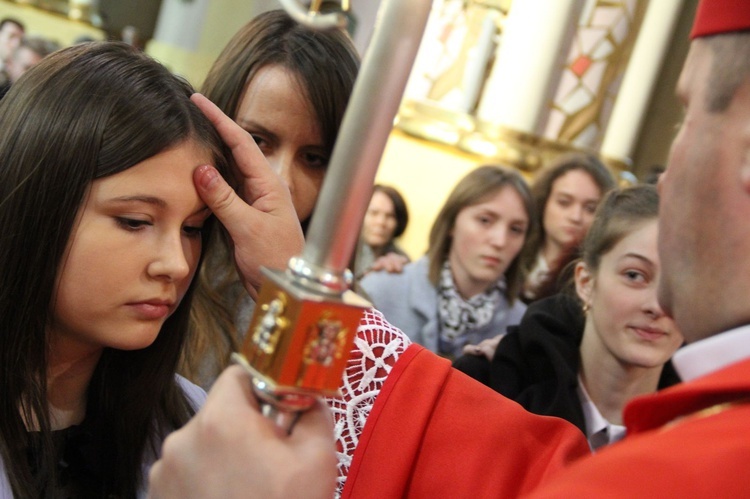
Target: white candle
(534, 41)
(476, 65)
(638, 82)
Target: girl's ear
(584, 284)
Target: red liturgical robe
(435, 432)
(690, 440)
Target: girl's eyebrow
(637, 256)
(140, 199)
(152, 200)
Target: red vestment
(690, 440)
(435, 432)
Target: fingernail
(207, 176)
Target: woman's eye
(266, 145)
(635, 276)
(257, 138)
(131, 224)
(517, 229)
(316, 160)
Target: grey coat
(409, 301)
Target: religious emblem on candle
(271, 325)
(325, 339)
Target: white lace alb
(376, 349)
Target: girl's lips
(150, 310)
(647, 333)
(491, 260)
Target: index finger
(247, 156)
(230, 131)
(238, 140)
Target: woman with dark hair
(288, 86)
(385, 220)
(465, 289)
(566, 193)
(583, 358)
(97, 255)
(106, 210)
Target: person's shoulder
(395, 248)
(517, 310)
(195, 394)
(558, 315)
(381, 277)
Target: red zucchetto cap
(721, 16)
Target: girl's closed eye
(131, 224)
(193, 231)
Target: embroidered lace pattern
(376, 349)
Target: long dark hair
(325, 64)
(83, 113)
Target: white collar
(595, 422)
(712, 353)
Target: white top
(599, 431)
(713, 353)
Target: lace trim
(376, 349)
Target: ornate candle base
(298, 344)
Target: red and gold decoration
(298, 341)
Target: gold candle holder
(298, 344)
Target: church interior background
(512, 82)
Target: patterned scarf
(458, 316)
